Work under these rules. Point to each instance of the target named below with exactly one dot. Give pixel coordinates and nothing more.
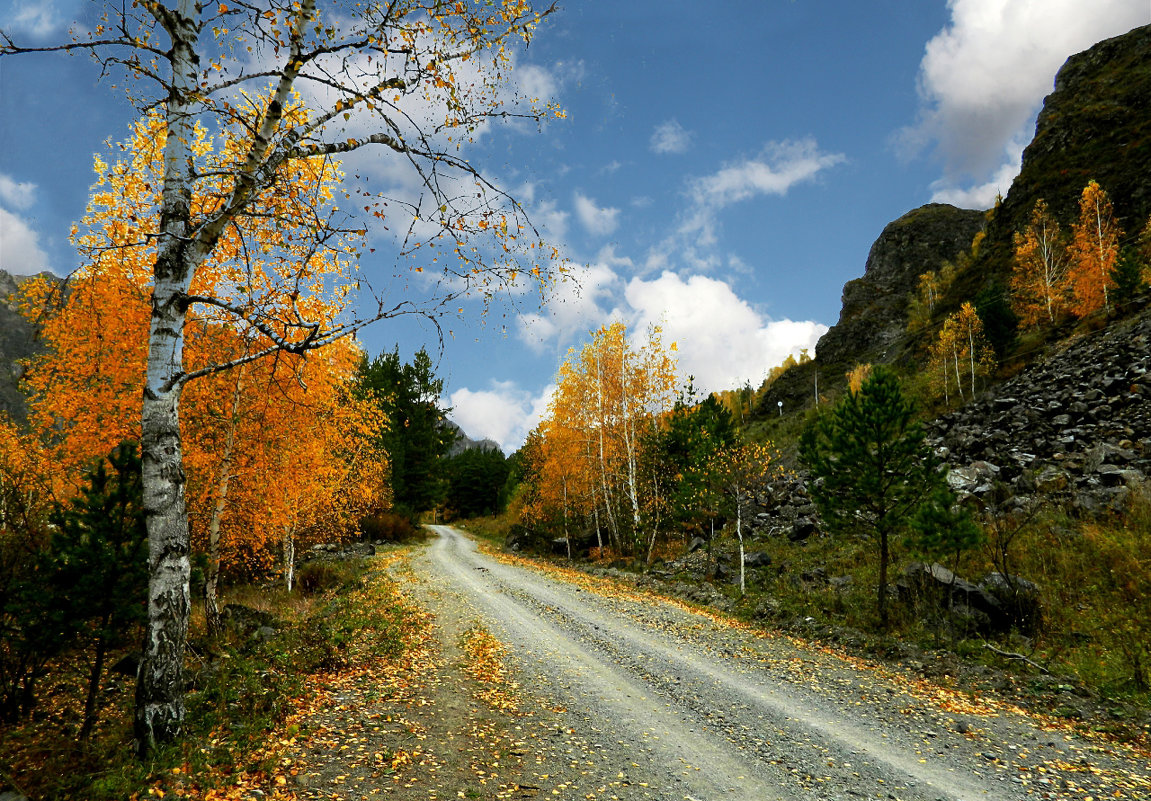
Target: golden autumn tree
(288, 84)
(740, 471)
(857, 376)
(1095, 252)
(932, 286)
(1040, 271)
(243, 428)
(608, 395)
(961, 352)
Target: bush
(388, 527)
(317, 577)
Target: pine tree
(871, 465)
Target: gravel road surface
(661, 702)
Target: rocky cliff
(873, 321)
(17, 342)
(1096, 124)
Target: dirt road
(602, 693)
(686, 707)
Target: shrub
(388, 527)
(317, 577)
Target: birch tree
(1095, 248)
(1039, 275)
(287, 83)
(740, 471)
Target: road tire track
(691, 710)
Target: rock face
(17, 342)
(873, 319)
(1073, 429)
(1094, 125)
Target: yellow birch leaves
(1054, 275)
(245, 430)
(1041, 269)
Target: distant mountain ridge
(1095, 125)
(465, 443)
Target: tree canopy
(286, 88)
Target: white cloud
(722, 340)
(982, 196)
(596, 220)
(780, 166)
(670, 137)
(551, 221)
(984, 76)
(505, 412)
(38, 19)
(20, 251)
(576, 305)
(16, 195)
(777, 168)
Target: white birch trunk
(613, 529)
(159, 713)
(289, 557)
(739, 535)
(971, 357)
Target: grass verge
(245, 690)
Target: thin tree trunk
(94, 684)
(958, 375)
(212, 580)
(971, 357)
(567, 535)
(739, 535)
(613, 529)
(882, 599)
(289, 557)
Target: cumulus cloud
(722, 340)
(596, 220)
(670, 137)
(981, 196)
(16, 195)
(984, 76)
(504, 412)
(20, 251)
(576, 305)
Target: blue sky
(723, 167)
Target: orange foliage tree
(608, 397)
(1039, 276)
(1095, 250)
(289, 86)
(243, 429)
